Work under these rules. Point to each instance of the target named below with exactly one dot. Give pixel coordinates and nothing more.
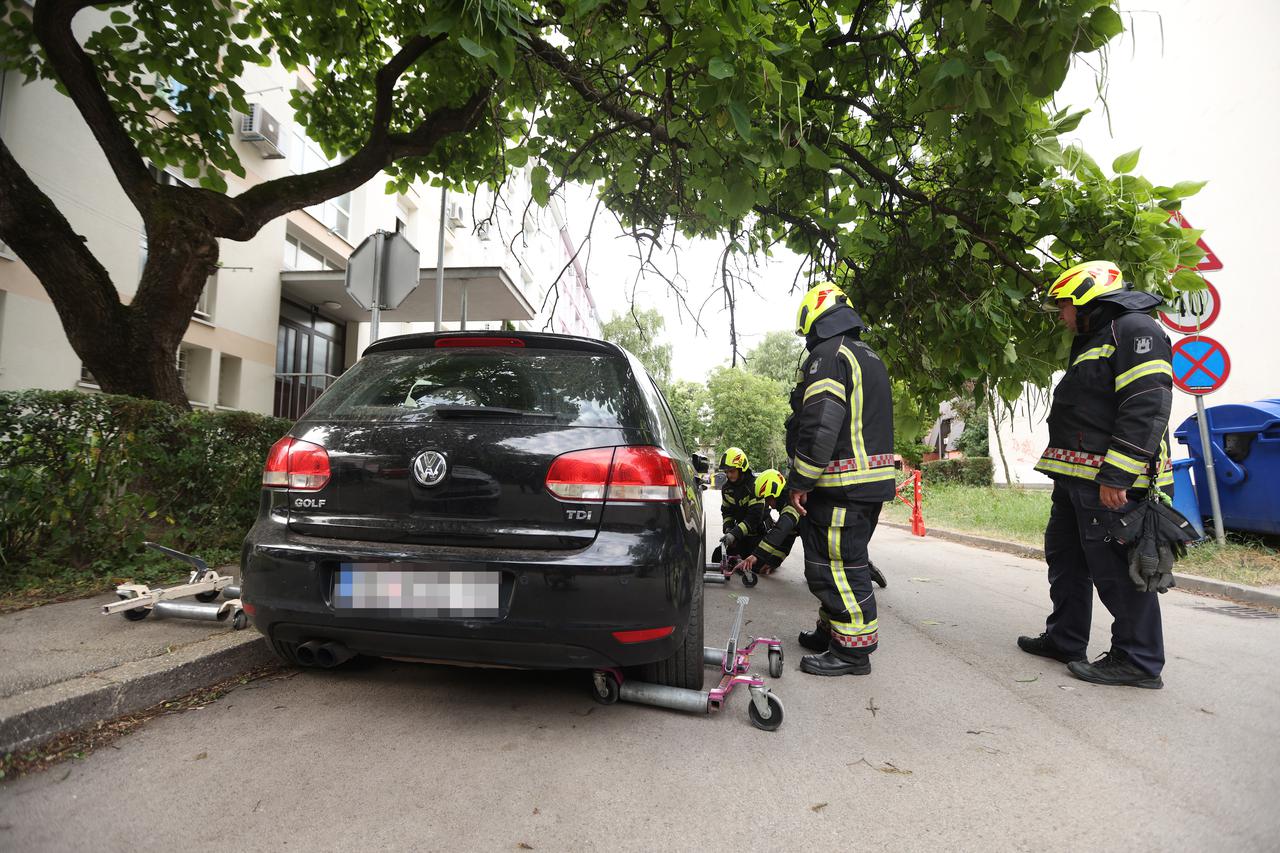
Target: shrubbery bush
(85, 478)
(969, 471)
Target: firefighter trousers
(1081, 558)
(837, 569)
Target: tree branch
(51, 23)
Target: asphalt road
(956, 741)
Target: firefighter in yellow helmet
(742, 513)
(1107, 442)
(840, 443)
(776, 543)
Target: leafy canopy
(908, 148)
(639, 333)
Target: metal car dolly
(765, 709)
(728, 567)
(204, 584)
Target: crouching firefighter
(742, 513)
(840, 443)
(1107, 440)
(775, 545)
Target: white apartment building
(1184, 84)
(275, 324)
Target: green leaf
(472, 48)
(720, 69)
(953, 67)
(1183, 189)
(741, 121)
(980, 96)
(740, 198)
(1126, 163)
(540, 187)
(1105, 22)
(119, 17)
(1010, 353)
(1007, 9)
(815, 158)
(1000, 63)
(518, 156)
(1187, 280)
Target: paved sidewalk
(65, 666)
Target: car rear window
(582, 389)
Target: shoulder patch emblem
(813, 368)
(1142, 345)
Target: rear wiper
(489, 411)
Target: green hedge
(970, 471)
(85, 478)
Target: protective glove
(728, 539)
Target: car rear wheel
(684, 668)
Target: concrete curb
(1186, 583)
(34, 716)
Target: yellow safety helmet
(1083, 283)
(820, 299)
(734, 457)
(769, 483)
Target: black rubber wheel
(206, 597)
(684, 668)
(775, 663)
(240, 621)
(135, 615)
(775, 715)
(750, 579)
(610, 694)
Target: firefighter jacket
(743, 513)
(840, 433)
(776, 544)
(1110, 412)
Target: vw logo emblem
(429, 467)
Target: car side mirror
(701, 464)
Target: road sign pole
(444, 196)
(1218, 533)
(377, 286)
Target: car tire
(684, 668)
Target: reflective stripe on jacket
(1110, 414)
(840, 433)
(740, 510)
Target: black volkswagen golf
(512, 499)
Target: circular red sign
(1200, 365)
(1193, 311)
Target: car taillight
(582, 475)
(295, 464)
(479, 342)
(615, 473)
(645, 635)
(643, 474)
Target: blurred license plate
(386, 588)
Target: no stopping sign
(1200, 365)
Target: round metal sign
(1192, 311)
(1200, 365)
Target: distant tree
(638, 332)
(776, 357)
(750, 412)
(974, 440)
(689, 404)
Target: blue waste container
(1245, 441)
(1184, 496)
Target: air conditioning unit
(262, 130)
(455, 214)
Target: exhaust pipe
(306, 653)
(332, 653)
(211, 612)
(676, 698)
(230, 592)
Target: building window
(304, 156)
(86, 377)
(299, 256)
(204, 306)
(228, 382)
(183, 361)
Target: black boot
(877, 576)
(1112, 668)
(828, 664)
(817, 640)
(1044, 648)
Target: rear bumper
(559, 608)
